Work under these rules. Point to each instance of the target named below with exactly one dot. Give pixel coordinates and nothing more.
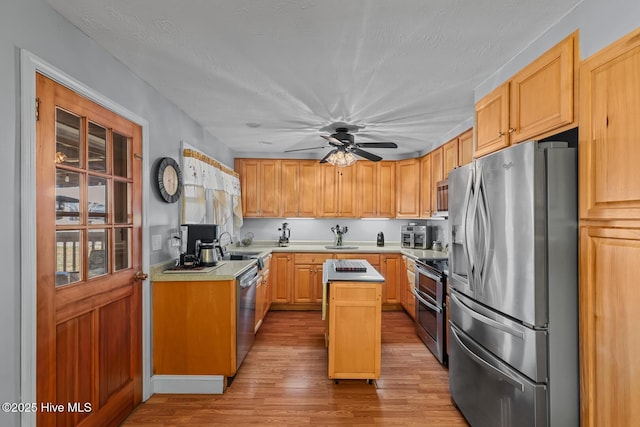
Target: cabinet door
(269, 188)
(609, 150)
(307, 188)
(347, 190)
(329, 186)
(281, 277)
(386, 189)
(542, 93)
(449, 157)
(425, 186)
(437, 173)
(249, 186)
(408, 188)
(465, 148)
(492, 121)
(260, 187)
(290, 194)
(303, 283)
(609, 338)
(366, 181)
(391, 267)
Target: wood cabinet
(299, 188)
(536, 102)
(376, 189)
(492, 121)
(408, 188)
(263, 293)
(465, 148)
(281, 273)
(609, 339)
(260, 187)
(391, 269)
(437, 175)
(425, 186)
(450, 152)
(409, 283)
(354, 330)
(194, 328)
(337, 191)
(609, 200)
(307, 287)
(542, 93)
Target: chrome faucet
(338, 233)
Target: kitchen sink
(340, 247)
(239, 256)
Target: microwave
(415, 236)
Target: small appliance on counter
(285, 236)
(200, 242)
(416, 236)
(380, 239)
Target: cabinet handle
(500, 134)
(512, 130)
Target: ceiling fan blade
(303, 149)
(365, 154)
(324, 159)
(332, 140)
(377, 144)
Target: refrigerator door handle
(508, 378)
(468, 231)
(485, 227)
(486, 320)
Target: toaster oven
(415, 236)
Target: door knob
(140, 276)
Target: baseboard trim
(188, 384)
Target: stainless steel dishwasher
(245, 312)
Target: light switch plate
(156, 242)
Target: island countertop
(329, 274)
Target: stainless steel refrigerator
(513, 357)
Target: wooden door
(391, 266)
(492, 121)
(328, 177)
(386, 189)
(366, 180)
(89, 355)
(542, 93)
(290, 191)
(269, 188)
(281, 277)
(449, 157)
(408, 188)
(465, 148)
(303, 283)
(307, 188)
(249, 186)
(347, 191)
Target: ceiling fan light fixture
(341, 158)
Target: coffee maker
(199, 241)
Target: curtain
(211, 192)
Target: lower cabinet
(263, 293)
(409, 283)
(391, 269)
(354, 328)
(307, 277)
(281, 277)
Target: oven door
(430, 315)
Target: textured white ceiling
(401, 70)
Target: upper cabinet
(437, 175)
(610, 132)
(408, 188)
(376, 189)
(536, 102)
(450, 156)
(337, 191)
(260, 187)
(298, 188)
(465, 148)
(425, 186)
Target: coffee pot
(207, 255)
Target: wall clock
(169, 180)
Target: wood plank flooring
(283, 381)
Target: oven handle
(425, 302)
(513, 381)
(486, 320)
(428, 274)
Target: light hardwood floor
(283, 381)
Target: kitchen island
(352, 310)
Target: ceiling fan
(346, 147)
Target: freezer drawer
(523, 348)
(490, 393)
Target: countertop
(330, 275)
(229, 270)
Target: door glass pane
(67, 197)
(68, 257)
(122, 237)
(98, 252)
(120, 155)
(121, 208)
(97, 203)
(68, 139)
(97, 148)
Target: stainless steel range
(430, 291)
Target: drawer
(373, 259)
(311, 257)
